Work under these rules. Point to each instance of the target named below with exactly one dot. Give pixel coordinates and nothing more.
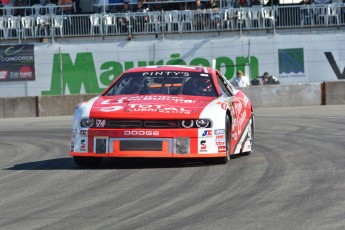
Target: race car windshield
(163, 82)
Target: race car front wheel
(227, 139)
(88, 161)
(224, 160)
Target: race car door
(235, 107)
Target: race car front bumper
(148, 143)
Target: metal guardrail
(51, 25)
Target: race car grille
(143, 124)
(161, 124)
(132, 145)
(124, 123)
(150, 124)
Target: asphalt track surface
(294, 179)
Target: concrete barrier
(330, 93)
(18, 107)
(60, 105)
(284, 95)
(335, 92)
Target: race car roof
(197, 69)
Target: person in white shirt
(240, 81)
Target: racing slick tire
(224, 160)
(88, 161)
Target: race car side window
(224, 85)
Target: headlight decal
(202, 123)
(187, 123)
(87, 122)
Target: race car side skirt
(242, 140)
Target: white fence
(45, 22)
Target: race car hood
(149, 107)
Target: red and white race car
(164, 112)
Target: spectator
(306, 15)
(198, 5)
(76, 7)
(268, 79)
(139, 7)
(212, 5)
(256, 81)
(124, 20)
(125, 8)
(243, 3)
(138, 20)
(198, 18)
(256, 3)
(67, 6)
(240, 80)
(215, 15)
(22, 4)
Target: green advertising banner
(89, 67)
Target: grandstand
(45, 23)
(47, 52)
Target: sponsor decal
(241, 121)
(17, 62)
(72, 146)
(166, 73)
(112, 101)
(100, 123)
(83, 144)
(219, 132)
(220, 143)
(222, 105)
(238, 108)
(89, 80)
(3, 75)
(221, 149)
(233, 117)
(220, 137)
(340, 75)
(111, 108)
(291, 63)
(245, 100)
(140, 133)
(203, 146)
(207, 133)
(83, 133)
(120, 100)
(157, 108)
(13, 50)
